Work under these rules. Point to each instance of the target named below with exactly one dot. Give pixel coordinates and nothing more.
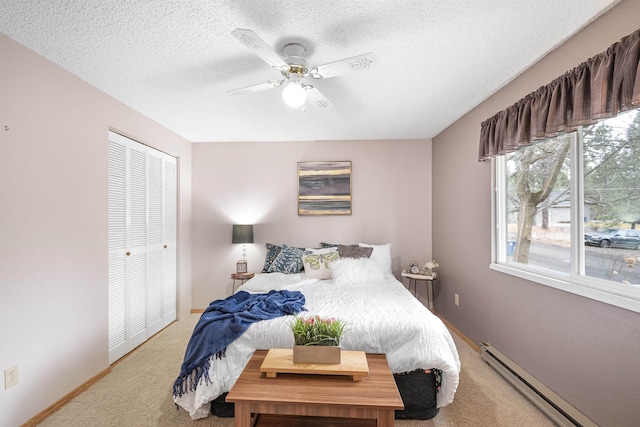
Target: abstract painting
(324, 188)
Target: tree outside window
(539, 203)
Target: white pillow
(317, 261)
(381, 255)
(356, 270)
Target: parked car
(614, 238)
(593, 238)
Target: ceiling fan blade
(315, 97)
(357, 63)
(256, 88)
(260, 48)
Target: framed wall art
(324, 188)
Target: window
(567, 211)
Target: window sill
(619, 295)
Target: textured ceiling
(175, 60)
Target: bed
(381, 315)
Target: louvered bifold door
(117, 250)
(142, 243)
(137, 246)
(169, 237)
(154, 241)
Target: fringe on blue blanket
(223, 322)
(189, 382)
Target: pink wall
(53, 226)
(256, 182)
(584, 350)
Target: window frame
(624, 296)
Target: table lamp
(242, 234)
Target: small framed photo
(241, 266)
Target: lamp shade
(294, 94)
(242, 234)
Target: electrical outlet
(10, 377)
(456, 299)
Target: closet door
(117, 249)
(154, 242)
(140, 210)
(137, 246)
(169, 236)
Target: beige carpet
(137, 392)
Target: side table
(242, 277)
(415, 278)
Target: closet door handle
(128, 253)
(165, 246)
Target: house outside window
(567, 211)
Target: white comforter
(380, 317)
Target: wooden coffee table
(308, 400)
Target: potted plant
(317, 340)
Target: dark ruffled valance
(602, 87)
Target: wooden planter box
(316, 354)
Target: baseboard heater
(558, 409)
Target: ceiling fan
(294, 70)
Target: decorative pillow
(356, 270)
(316, 262)
(354, 251)
(272, 253)
(288, 261)
(381, 255)
(332, 245)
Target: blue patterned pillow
(288, 261)
(272, 253)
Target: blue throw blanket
(223, 322)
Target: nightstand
(428, 280)
(242, 277)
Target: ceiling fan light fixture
(293, 67)
(294, 94)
